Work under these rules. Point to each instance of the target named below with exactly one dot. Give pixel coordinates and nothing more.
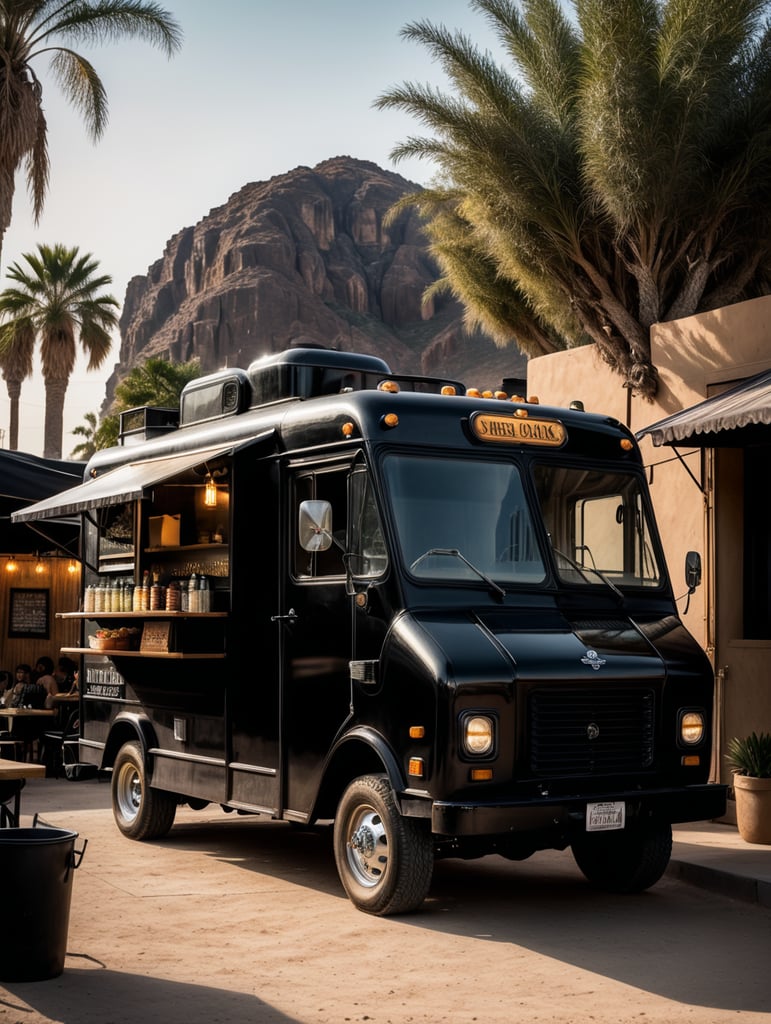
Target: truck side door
(316, 635)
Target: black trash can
(36, 865)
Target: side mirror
(315, 525)
(692, 570)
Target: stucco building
(710, 476)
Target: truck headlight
(692, 727)
(478, 735)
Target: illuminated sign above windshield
(518, 430)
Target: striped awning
(735, 418)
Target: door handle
(291, 616)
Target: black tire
(385, 861)
(140, 811)
(624, 861)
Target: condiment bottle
(204, 601)
(194, 594)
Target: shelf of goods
(124, 653)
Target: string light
(39, 567)
(11, 565)
(72, 566)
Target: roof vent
(311, 372)
(226, 393)
(144, 422)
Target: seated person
(22, 678)
(44, 676)
(25, 693)
(6, 685)
(65, 673)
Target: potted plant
(750, 761)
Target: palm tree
(16, 365)
(57, 301)
(31, 28)
(156, 381)
(614, 172)
(88, 431)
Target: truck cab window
(476, 507)
(331, 486)
(367, 543)
(597, 521)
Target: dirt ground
(233, 919)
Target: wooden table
(17, 771)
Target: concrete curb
(726, 883)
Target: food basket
(109, 643)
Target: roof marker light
(522, 413)
(389, 421)
(389, 385)
(473, 393)
(448, 389)
(501, 396)
(534, 400)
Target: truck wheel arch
(361, 751)
(125, 729)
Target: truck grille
(590, 732)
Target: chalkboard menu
(28, 613)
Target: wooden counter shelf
(142, 654)
(142, 615)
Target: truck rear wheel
(140, 811)
(624, 861)
(385, 861)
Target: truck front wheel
(626, 860)
(385, 861)
(140, 812)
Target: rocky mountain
(306, 256)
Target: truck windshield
(597, 524)
(476, 508)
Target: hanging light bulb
(11, 565)
(72, 566)
(39, 567)
(210, 492)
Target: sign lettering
(519, 430)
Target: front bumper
(689, 803)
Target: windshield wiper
(497, 591)
(584, 569)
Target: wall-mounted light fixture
(72, 566)
(11, 565)
(210, 492)
(39, 567)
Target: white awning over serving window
(734, 418)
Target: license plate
(606, 816)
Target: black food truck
(439, 619)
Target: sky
(259, 87)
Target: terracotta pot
(753, 808)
